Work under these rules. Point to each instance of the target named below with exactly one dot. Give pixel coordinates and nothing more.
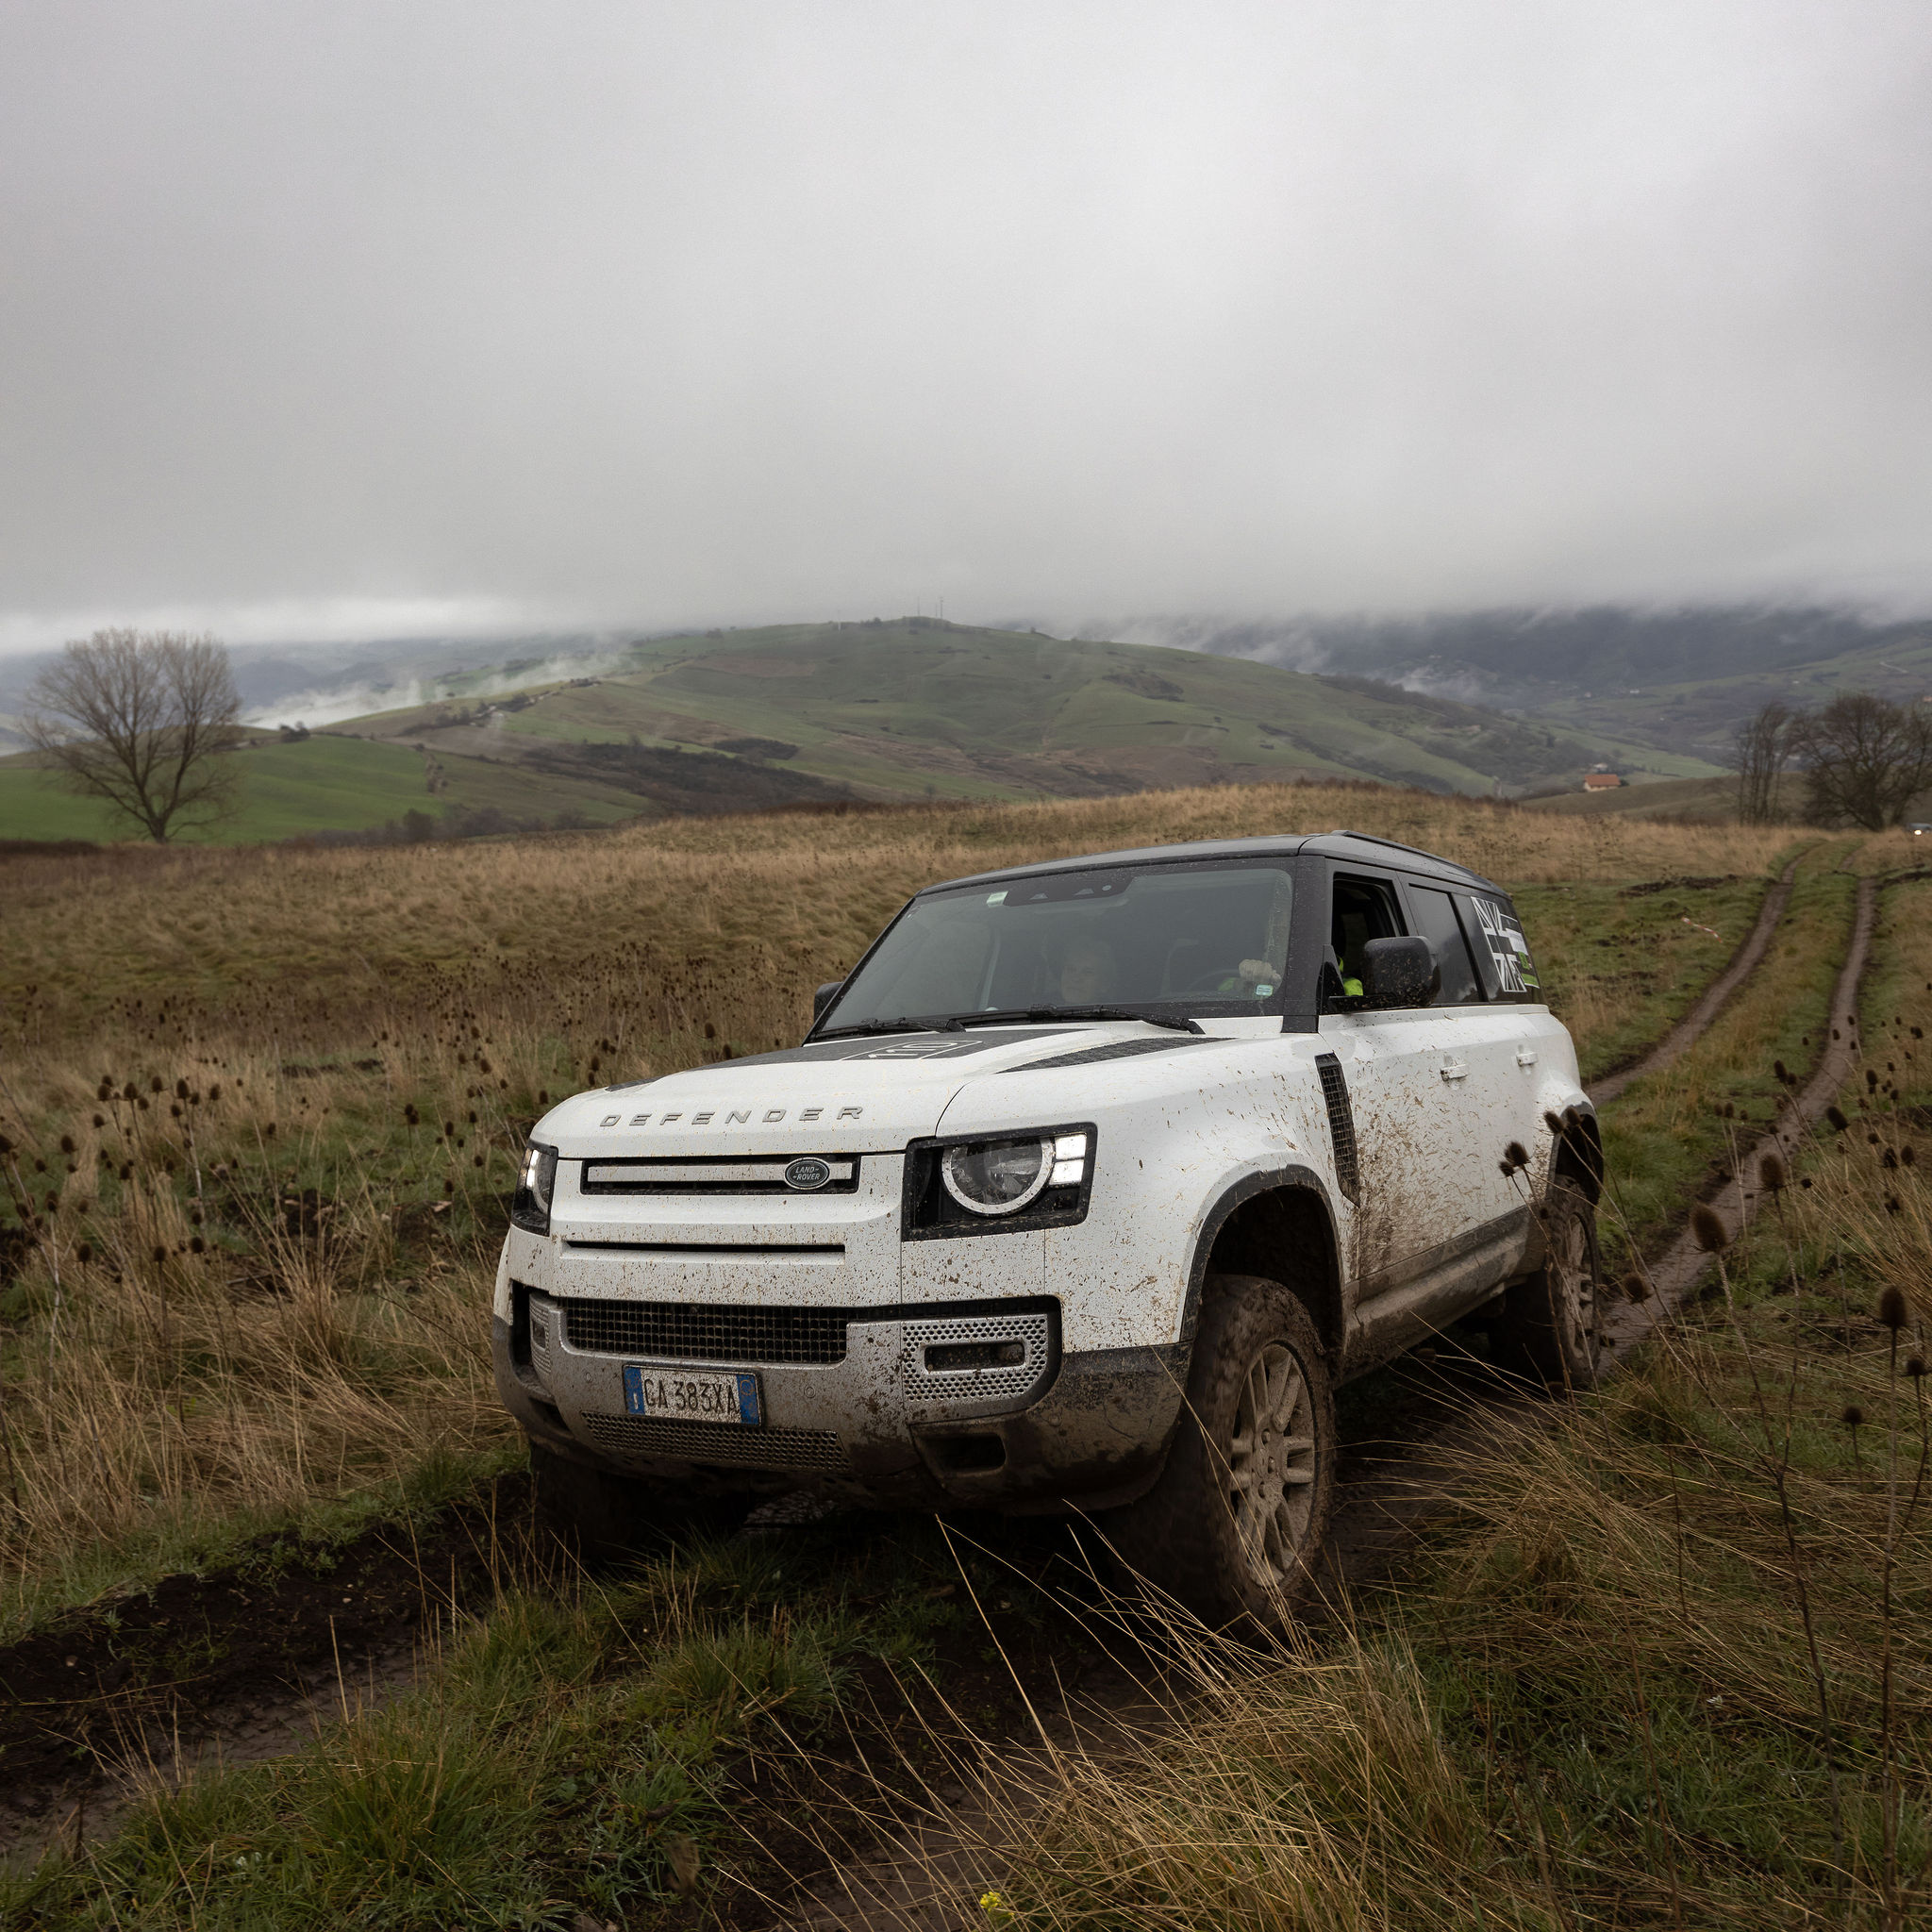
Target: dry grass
(266, 934)
(369, 1032)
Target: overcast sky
(331, 320)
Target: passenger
(1088, 973)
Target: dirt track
(1716, 996)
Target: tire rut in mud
(234, 1665)
(1711, 1002)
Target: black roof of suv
(1361, 847)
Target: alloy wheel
(1271, 1464)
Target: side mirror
(1398, 972)
(823, 998)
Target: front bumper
(878, 1424)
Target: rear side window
(1501, 953)
(1435, 914)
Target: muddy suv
(1083, 1193)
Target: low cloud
(360, 320)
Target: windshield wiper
(1009, 1015)
(888, 1026)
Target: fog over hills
(1678, 679)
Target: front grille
(695, 1332)
(1340, 1124)
(747, 1175)
(719, 1443)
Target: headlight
(1026, 1177)
(996, 1176)
(530, 1208)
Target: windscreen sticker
(1515, 970)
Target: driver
(1254, 977)
(1088, 972)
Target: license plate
(700, 1395)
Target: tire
(1552, 1325)
(602, 1517)
(1233, 1530)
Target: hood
(870, 1095)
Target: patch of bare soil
(234, 1665)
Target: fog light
(960, 1357)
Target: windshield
(1172, 938)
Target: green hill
(920, 707)
(728, 720)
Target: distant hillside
(1678, 679)
(918, 707)
(594, 729)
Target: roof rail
(1396, 845)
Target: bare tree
(1763, 744)
(1865, 760)
(142, 720)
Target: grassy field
(322, 783)
(264, 1106)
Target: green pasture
(323, 783)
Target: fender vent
(1341, 1125)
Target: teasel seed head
(1891, 1308)
(1915, 1366)
(1852, 1416)
(1708, 1230)
(1634, 1287)
(1836, 1117)
(1555, 1125)
(1771, 1177)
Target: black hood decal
(872, 1046)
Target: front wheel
(1552, 1326)
(1233, 1529)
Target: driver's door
(1420, 1197)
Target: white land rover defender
(1085, 1190)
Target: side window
(1363, 909)
(1435, 914)
(1501, 950)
